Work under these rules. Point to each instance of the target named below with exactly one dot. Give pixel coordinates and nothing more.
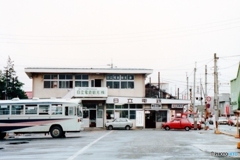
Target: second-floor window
(81, 80)
(65, 81)
(58, 81)
(120, 81)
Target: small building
(235, 91)
(106, 93)
(29, 94)
(224, 104)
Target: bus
(54, 116)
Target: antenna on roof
(111, 64)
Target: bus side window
(66, 111)
(31, 109)
(44, 109)
(69, 111)
(56, 109)
(17, 109)
(4, 110)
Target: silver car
(119, 123)
(222, 120)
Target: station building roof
(33, 70)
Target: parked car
(178, 123)
(119, 123)
(222, 120)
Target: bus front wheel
(56, 132)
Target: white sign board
(139, 118)
(156, 106)
(177, 105)
(91, 92)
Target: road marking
(86, 147)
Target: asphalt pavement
(138, 144)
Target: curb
(229, 134)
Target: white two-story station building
(106, 93)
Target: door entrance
(93, 114)
(96, 83)
(150, 120)
(92, 118)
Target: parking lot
(118, 144)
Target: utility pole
(201, 90)
(187, 85)
(159, 95)
(205, 95)
(216, 93)
(194, 109)
(191, 108)
(178, 93)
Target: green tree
(9, 83)
(2, 86)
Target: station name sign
(91, 92)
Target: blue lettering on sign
(232, 154)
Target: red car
(178, 123)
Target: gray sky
(169, 37)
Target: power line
(67, 36)
(228, 66)
(230, 56)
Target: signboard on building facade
(91, 92)
(177, 105)
(139, 118)
(156, 106)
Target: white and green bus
(54, 116)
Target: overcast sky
(168, 36)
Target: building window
(125, 110)
(50, 81)
(135, 106)
(65, 81)
(109, 113)
(57, 81)
(132, 114)
(110, 106)
(122, 81)
(161, 116)
(81, 80)
(124, 114)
